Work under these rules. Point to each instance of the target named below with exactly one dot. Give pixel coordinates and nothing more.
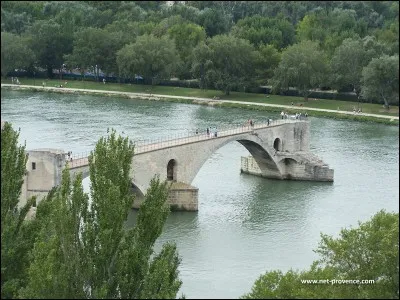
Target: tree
(214, 21)
(149, 56)
(263, 30)
(49, 42)
(347, 64)
(368, 252)
(17, 236)
(201, 63)
(15, 53)
(380, 80)
(83, 249)
(268, 60)
(186, 36)
(230, 62)
(303, 66)
(94, 46)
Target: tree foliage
(303, 66)
(262, 30)
(49, 42)
(94, 46)
(267, 61)
(83, 249)
(368, 252)
(186, 36)
(151, 57)
(380, 80)
(15, 53)
(56, 29)
(17, 236)
(230, 62)
(347, 64)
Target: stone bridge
(280, 150)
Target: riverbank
(258, 103)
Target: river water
(245, 225)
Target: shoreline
(317, 112)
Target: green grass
(178, 91)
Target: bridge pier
(181, 197)
(306, 167)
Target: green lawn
(178, 91)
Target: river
(245, 225)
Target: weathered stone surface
(279, 150)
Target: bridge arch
(262, 154)
(85, 174)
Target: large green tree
(230, 60)
(380, 80)
(83, 249)
(303, 66)
(267, 61)
(367, 252)
(17, 236)
(50, 42)
(186, 36)
(347, 64)
(95, 47)
(15, 53)
(151, 57)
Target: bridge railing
(144, 145)
(76, 160)
(193, 136)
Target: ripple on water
(245, 225)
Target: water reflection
(245, 224)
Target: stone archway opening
(278, 144)
(172, 170)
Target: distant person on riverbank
(282, 115)
(104, 81)
(208, 131)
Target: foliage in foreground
(78, 247)
(368, 252)
(16, 239)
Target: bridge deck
(80, 160)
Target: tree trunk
(50, 72)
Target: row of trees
(225, 45)
(78, 247)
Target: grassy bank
(258, 98)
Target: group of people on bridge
(211, 132)
(297, 116)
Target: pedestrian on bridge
(208, 131)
